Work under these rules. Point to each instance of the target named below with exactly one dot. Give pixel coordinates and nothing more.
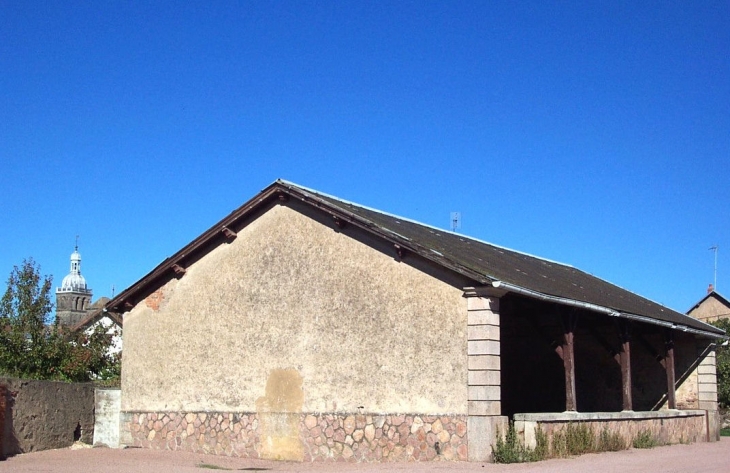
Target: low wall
(666, 426)
(41, 415)
(107, 406)
(302, 437)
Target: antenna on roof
(455, 221)
(715, 248)
(113, 291)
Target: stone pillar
(707, 394)
(483, 377)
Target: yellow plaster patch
(279, 411)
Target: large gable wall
(292, 303)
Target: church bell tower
(73, 297)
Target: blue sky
(592, 133)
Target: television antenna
(455, 221)
(715, 248)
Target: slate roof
(480, 261)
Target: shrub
(644, 439)
(610, 441)
(512, 450)
(573, 439)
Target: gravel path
(700, 457)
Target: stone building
(710, 308)
(305, 327)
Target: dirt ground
(699, 457)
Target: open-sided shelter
(305, 327)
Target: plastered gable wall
(710, 310)
(296, 317)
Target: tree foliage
(723, 366)
(32, 347)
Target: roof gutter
(600, 309)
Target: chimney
(710, 288)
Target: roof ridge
(416, 222)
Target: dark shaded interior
(533, 377)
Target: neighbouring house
(305, 327)
(711, 308)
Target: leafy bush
(644, 439)
(610, 441)
(512, 450)
(574, 439)
(30, 347)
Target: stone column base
(482, 432)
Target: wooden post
(669, 367)
(625, 335)
(569, 322)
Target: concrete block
(125, 435)
(710, 406)
(707, 396)
(482, 435)
(483, 378)
(709, 378)
(525, 430)
(484, 393)
(483, 332)
(483, 347)
(107, 404)
(708, 388)
(484, 408)
(714, 424)
(482, 317)
(707, 369)
(483, 303)
(483, 362)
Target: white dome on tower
(74, 281)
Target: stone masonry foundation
(665, 427)
(321, 437)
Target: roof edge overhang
(279, 191)
(711, 332)
(175, 265)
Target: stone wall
(41, 415)
(317, 437)
(665, 427)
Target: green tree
(32, 347)
(723, 366)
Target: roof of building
(93, 316)
(715, 295)
(482, 262)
